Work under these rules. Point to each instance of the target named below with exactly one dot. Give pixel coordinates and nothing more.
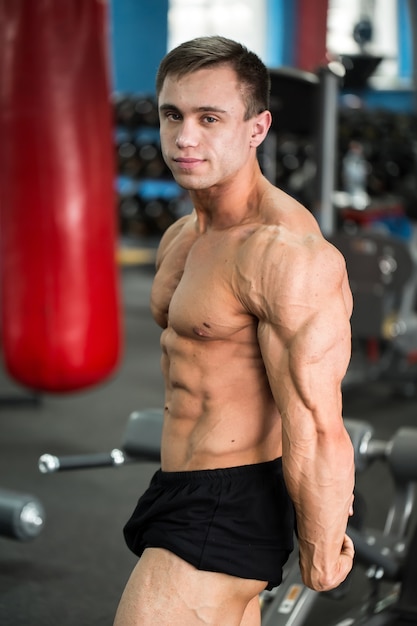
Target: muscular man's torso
(219, 409)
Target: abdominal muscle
(219, 411)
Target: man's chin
(190, 182)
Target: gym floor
(74, 572)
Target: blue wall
(280, 29)
(139, 33)
(400, 101)
(405, 53)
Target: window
(343, 15)
(242, 20)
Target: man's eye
(173, 116)
(210, 119)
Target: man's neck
(226, 206)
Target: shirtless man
(255, 306)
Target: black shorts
(238, 520)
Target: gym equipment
(141, 441)
(16, 400)
(22, 516)
(387, 140)
(148, 198)
(389, 554)
(60, 312)
(383, 278)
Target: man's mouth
(187, 162)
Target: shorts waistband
(256, 469)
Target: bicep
(301, 297)
(306, 358)
(319, 352)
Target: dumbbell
(22, 516)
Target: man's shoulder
(270, 241)
(172, 235)
(279, 264)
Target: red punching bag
(59, 296)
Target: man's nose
(187, 135)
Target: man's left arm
(305, 343)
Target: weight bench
(141, 442)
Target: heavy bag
(59, 295)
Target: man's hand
(318, 580)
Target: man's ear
(261, 126)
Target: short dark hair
(204, 52)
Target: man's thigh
(165, 590)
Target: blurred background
(84, 199)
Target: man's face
(204, 137)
